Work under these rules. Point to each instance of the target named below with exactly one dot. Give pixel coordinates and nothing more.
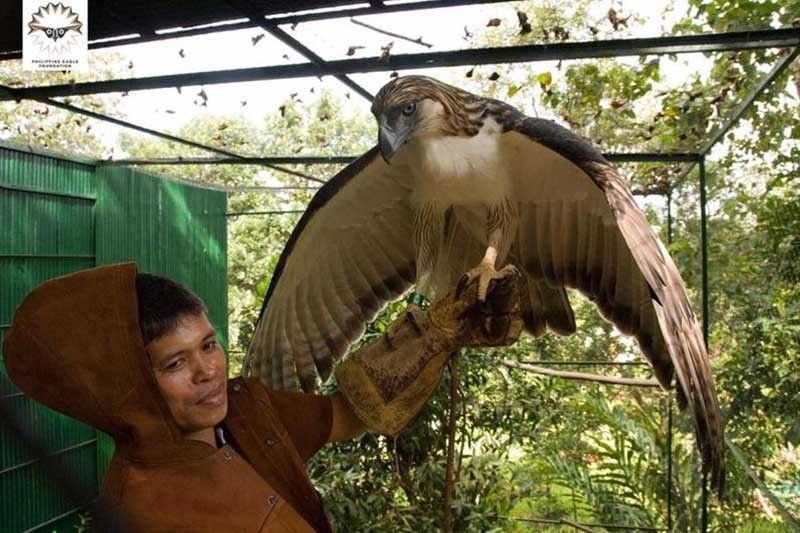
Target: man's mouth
(214, 397)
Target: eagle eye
(409, 109)
(49, 31)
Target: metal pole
(669, 394)
(704, 245)
(669, 461)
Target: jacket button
(237, 387)
(227, 455)
(272, 500)
(270, 442)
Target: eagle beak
(388, 142)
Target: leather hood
(75, 346)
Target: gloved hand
(388, 383)
(461, 320)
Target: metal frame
(780, 38)
(681, 44)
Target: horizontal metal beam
(655, 157)
(43, 525)
(248, 213)
(49, 455)
(678, 44)
(44, 256)
(585, 524)
(581, 376)
(378, 10)
(586, 363)
(29, 190)
(345, 159)
(6, 91)
(279, 20)
(276, 160)
(29, 149)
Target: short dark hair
(162, 303)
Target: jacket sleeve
(306, 417)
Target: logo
(55, 35)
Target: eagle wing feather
(349, 256)
(580, 227)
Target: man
(136, 357)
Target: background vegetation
(534, 446)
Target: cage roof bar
(247, 9)
(278, 20)
(742, 108)
(676, 157)
(166, 136)
(710, 42)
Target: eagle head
(414, 107)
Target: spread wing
(351, 253)
(579, 226)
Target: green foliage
(35, 124)
(535, 446)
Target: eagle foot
(485, 273)
(414, 315)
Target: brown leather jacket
(75, 346)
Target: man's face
(189, 367)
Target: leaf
(512, 90)
(386, 51)
(615, 19)
(494, 76)
(544, 79)
(470, 72)
(493, 23)
(524, 25)
(257, 38)
(352, 50)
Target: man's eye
(174, 365)
(210, 346)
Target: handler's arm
(345, 425)
(386, 383)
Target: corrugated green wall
(59, 216)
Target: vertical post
(449, 478)
(669, 393)
(669, 215)
(669, 461)
(704, 245)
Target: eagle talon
(486, 274)
(462, 284)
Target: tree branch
(634, 382)
(418, 40)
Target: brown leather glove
(388, 382)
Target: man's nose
(204, 369)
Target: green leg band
(418, 299)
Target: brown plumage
(465, 180)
